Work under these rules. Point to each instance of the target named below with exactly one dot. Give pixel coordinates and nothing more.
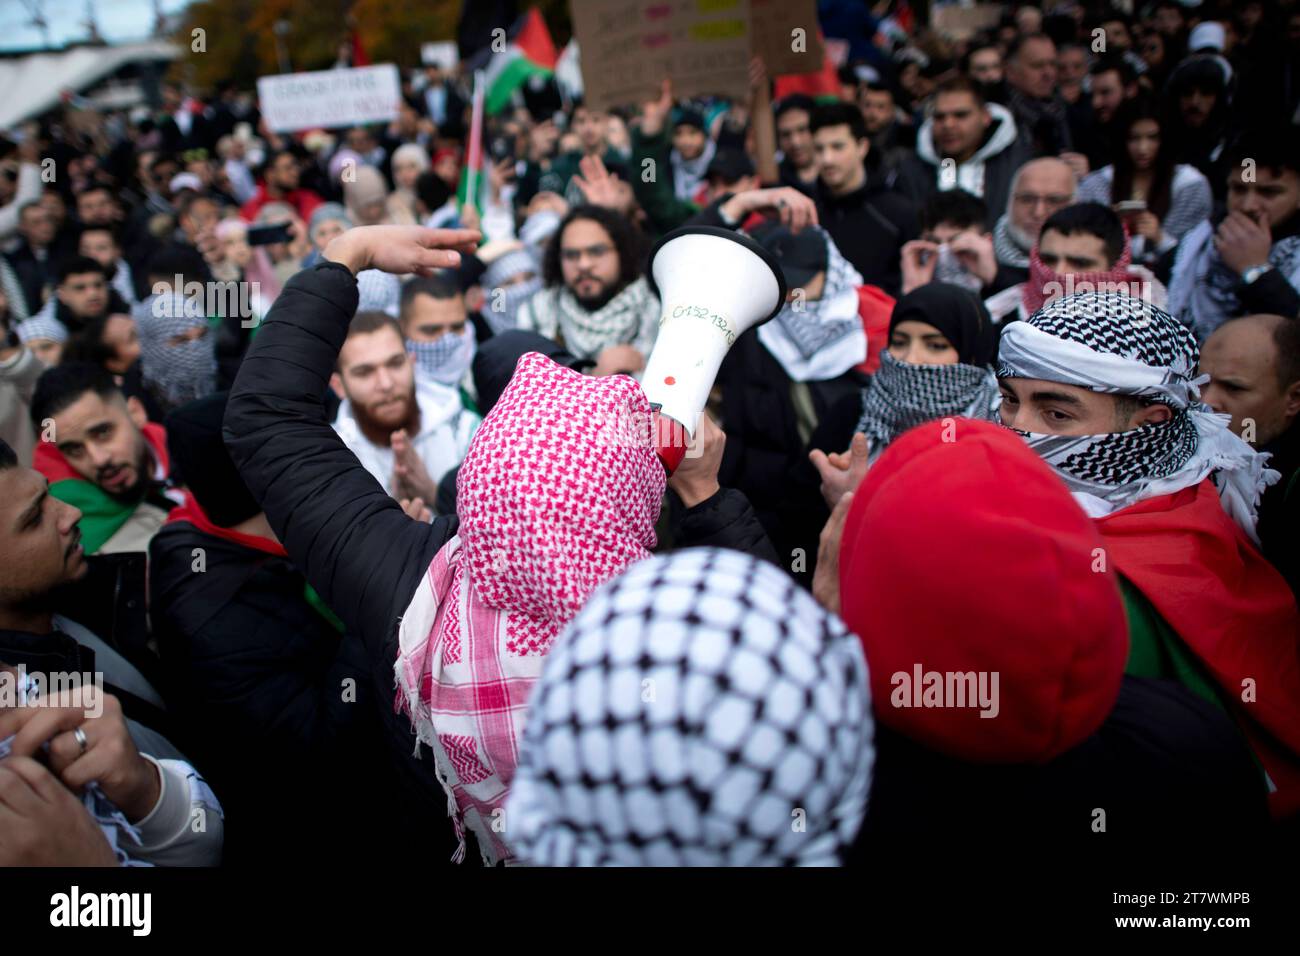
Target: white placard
(329, 98)
(443, 54)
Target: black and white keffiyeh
(701, 710)
(902, 396)
(178, 368)
(818, 339)
(1121, 345)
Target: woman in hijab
(408, 162)
(938, 364)
(696, 710)
(366, 196)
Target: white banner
(329, 98)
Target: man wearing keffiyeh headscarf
(1105, 388)
(759, 716)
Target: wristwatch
(1253, 273)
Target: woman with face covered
(938, 364)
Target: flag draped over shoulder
(101, 513)
(530, 52)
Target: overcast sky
(118, 20)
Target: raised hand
(402, 250)
(842, 472)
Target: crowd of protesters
(989, 535)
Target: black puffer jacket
(357, 548)
(267, 690)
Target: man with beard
(595, 301)
(1041, 188)
(280, 183)
(1198, 90)
(407, 431)
(1249, 261)
(113, 739)
(101, 455)
(1105, 388)
(1114, 83)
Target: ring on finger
(80, 736)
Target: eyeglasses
(595, 252)
(1030, 200)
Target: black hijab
(958, 314)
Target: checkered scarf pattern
(902, 396)
(549, 510)
(702, 710)
(1121, 345)
(177, 372)
(822, 338)
(447, 358)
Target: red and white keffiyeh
(550, 508)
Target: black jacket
(1279, 508)
(870, 225)
(1165, 765)
(276, 703)
(352, 541)
(766, 457)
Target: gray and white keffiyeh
(701, 710)
(817, 339)
(902, 396)
(178, 370)
(1122, 345)
(1007, 247)
(447, 358)
(1203, 289)
(630, 318)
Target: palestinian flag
(1233, 613)
(102, 515)
(822, 85)
(529, 53)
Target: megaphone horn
(713, 286)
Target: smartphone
(501, 147)
(269, 235)
(1130, 206)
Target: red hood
(1230, 607)
(49, 461)
(962, 552)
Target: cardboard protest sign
(629, 46)
(329, 98)
(963, 22)
(773, 24)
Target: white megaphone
(713, 285)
